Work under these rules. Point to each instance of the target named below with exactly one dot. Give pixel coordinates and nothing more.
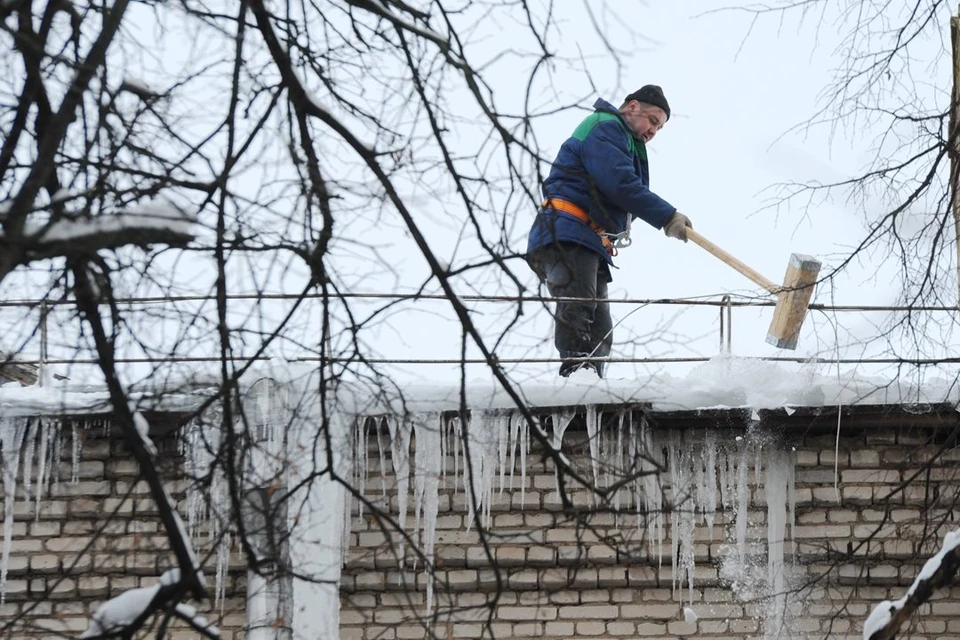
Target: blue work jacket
(602, 169)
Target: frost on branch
(119, 613)
(885, 619)
(143, 430)
(157, 222)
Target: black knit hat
(651, 94)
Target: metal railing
(725, 305)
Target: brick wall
(95, 535)
(540, 572)
(535, 569)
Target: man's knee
(566, 268)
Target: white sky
(733, 98)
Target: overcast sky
(736, 89)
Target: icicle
(743, 503)
(593, 435)
(673, 462)
(223, 565)
(682, 516)
(194, 498)
(29, 450)
(346, 468)
(687, 559)
(419, 473)
(723, 474)
(623, 461)
(360, 458)
(400, 448)
(469, 469)
(54, 465)
(75, 454)
(524, 450)
(637, 460)
(378, 430)
(480, 466)
(776, 491)
(757, 462)
(429, 460)
(561, 420)
(208, 511)
(650, 492)
(514, 421)
(503, 438)
(446, 432)
(492, 423)
(792, 497)
(710, 478)
(12, 431)
(46, 432)
(777, 479)
(456, 435)
(220, 523)
(638, 466)
(698, 460)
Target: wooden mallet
(793, 297)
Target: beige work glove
(676, 226)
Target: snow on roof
(723, 382)
(66, 398)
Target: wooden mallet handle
(733, 262)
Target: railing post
(726, 329)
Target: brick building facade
(861, 513)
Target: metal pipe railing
(725, 304)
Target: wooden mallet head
(793, 298)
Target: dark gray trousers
(582, 329)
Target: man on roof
(598, 184)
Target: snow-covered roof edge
(722, 383)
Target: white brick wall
(552, 578)
(566, 581)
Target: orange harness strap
(568, 207)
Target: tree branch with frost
(454, 57)
(190, 577)
(45, 162)
(123, 615)
(141, 226)
(302, 101)
(448, 160)
(902, 193)
(887, 617)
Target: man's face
(645, 120)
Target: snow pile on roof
(723, 382)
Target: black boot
(569, 367)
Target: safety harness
(611, 241)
